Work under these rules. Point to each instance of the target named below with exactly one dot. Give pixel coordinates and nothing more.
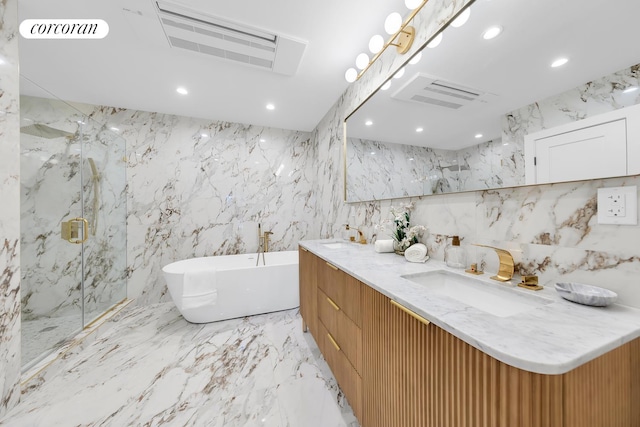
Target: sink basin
(333, 245)
(493, 299)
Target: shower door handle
(70, 230)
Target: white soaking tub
(223, 287)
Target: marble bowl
(586, 294)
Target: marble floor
(41, 335)
(149, 367)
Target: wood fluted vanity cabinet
(342, 288)
(308, 277)
(418, 375)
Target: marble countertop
(549, 339)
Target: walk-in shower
(73, 223)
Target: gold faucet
(265, 236)
(363, 240)
(507, 265)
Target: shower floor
(42, 335)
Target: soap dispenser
(454, 254)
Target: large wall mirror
(482, 113)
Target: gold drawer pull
(333, 304)
(332, 266)
(409, 312)
(335, 344)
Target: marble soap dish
(586, 294)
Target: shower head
(44, 131)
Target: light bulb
(412, 4)
(416, 59)
(399, 73)
(362, 61)
(435, 42)
(351, 75)
(376, 43)
(393, 23)
(386, 86)
(462, 18)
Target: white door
(593, 152)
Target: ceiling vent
(208, 35)
(425, 89)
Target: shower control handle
(69, 230)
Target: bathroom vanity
(406, 354)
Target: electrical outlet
(618, 205)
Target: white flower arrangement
(403, 234)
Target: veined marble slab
(151, 367)
(550, 339)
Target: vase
(398, 249)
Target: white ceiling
(598, 38)
(134, 67)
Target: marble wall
(200, 188)
(380, 170)
(551, 229)
(10, 207)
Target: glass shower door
(51, 290)
(73, 223)
(105, 204)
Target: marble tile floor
(41, 335)
(150, 367)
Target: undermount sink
(493, 299)
(333, 245)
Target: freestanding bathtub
(223, 287)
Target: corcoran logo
(64, 29)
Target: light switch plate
(618, 205)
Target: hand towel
(384, 246)
(199, 288)
(416, 253)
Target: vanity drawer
(348, 379)
(342, 288)
(345, 332)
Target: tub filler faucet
(263, 244)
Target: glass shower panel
(105, 204)
(51, 290)
(73, 185)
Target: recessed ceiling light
(271, 107)
(182, 91)
(386, 86)
(419, 129)
(492, 32)
(368, 123)
(559, 62)
(630, 89)
(478, 135)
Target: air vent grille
(194, 31)
(440, 93)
